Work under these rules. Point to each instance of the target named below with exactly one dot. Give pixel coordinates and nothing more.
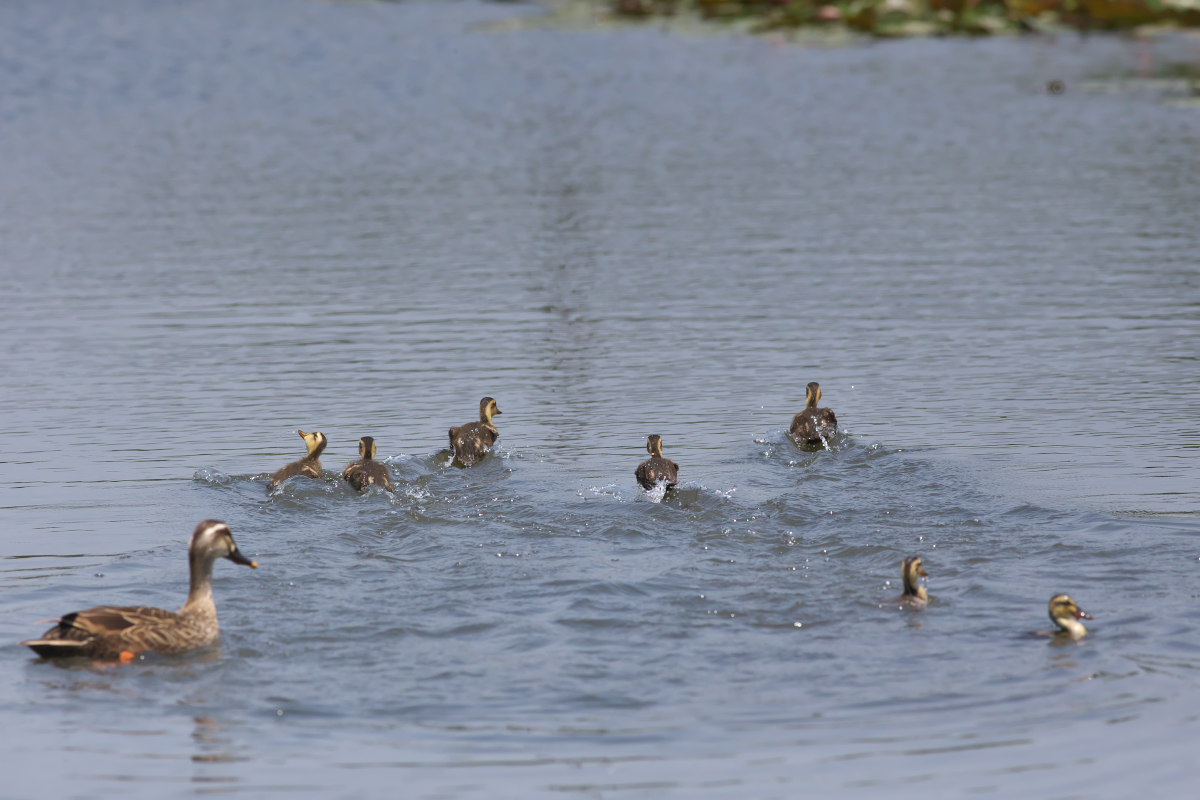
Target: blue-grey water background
(223, 221)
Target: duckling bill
(813, 425)
(656, 468)
(367, 471)
(471, 442)
(122, 632)
(310, 465)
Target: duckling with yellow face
(1066, 613)
(813, 425)
(310, 465)
(656, 468)
(367, 471)
(915, 593)
(471, 442)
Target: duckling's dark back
(367, 471)
(655, 469)
(471, 442)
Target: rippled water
(224, 221)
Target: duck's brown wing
(102, 632)
(645, 475)
(355, 475)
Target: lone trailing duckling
(813, 425)
(310, 465)
(915, 594)
(122, 632)
(367, 471)
(656, 468)
(469, 443)
(1066, 613)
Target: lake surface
(224, 221)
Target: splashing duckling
(813, 425)
(122, 632)
(469, 443)
(912, 571)
(367, 471)
(310, 465)
(1066, 613)
(656, 468)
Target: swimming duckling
(915, 593)
(121, 632)
(310, 465)
(813, 425)
(656, 468)
(471, 442)
(1066, 613)
(367, 471)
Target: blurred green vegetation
(925, 17)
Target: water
(222, 222)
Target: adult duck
(122, 632)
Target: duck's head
(212, 540)
(912, 571)
(488, 409)
(654, 445)
(366, 447)
(1066, 613)
(812, 395)
(315, 441)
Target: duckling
(367, 471)
(813, 424)
(471, 442)
(1066, 613)
(122, 632)
(310, 465)
(915, 593)
(656, 468)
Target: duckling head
(812, 395)
(1066, 613)
(488, 409)
(366, 447)
(912, 571)
(654, 445)
(315, 442)
(211, 540)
